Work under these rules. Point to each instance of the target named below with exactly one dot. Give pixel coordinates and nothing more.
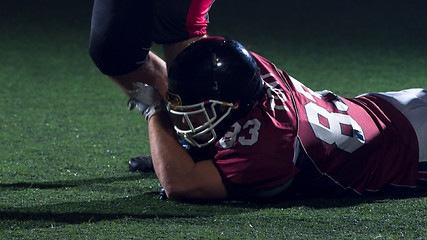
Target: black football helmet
(212, 83)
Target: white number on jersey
(231, 136)
(329, 127)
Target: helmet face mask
(196, 123)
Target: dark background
(301, 36)
(327, 22)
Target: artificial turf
(66, 134)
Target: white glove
(146, 99)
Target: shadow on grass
(149, 206)
(144, 206)
(73, 183)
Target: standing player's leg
(153, 72)
(178, 23)
(120, 43)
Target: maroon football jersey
(361, 144)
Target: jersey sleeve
(176, 21)
(258, 151)
(253, 153)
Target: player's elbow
(184, 192)
(177, 192)
(193, 192)
(174, 195)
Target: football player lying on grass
(233, 126)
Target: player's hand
(146, 99)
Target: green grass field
(66, 134)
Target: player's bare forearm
(169, 158)
(178, 174)
(153, 72)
